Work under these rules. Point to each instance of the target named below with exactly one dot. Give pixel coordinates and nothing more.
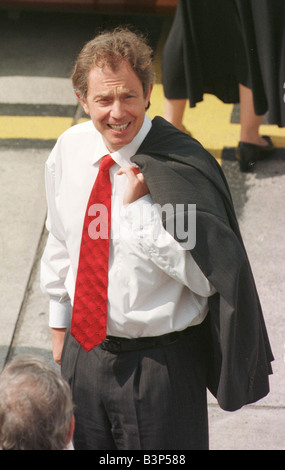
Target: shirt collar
(123, 156)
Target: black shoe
(248, 154)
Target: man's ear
(148, 97)
(83, 104)
(71, 429)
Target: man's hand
(57, 336)
(136, 187)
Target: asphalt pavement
(37, 104)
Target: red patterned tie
(89, 316)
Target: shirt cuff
(59, 313)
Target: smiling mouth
(118, 128)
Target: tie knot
(106, 163)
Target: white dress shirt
(155, 286)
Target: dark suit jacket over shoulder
(178, 170)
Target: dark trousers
(151, 399)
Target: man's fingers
(130, 171)
(133, 173)
(136, 187)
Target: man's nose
(117, 110)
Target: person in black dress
(231, 49)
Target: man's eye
(103, 100)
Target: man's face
(116, 104)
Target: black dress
(214, 45)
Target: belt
(116, 344)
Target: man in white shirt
(144, 387)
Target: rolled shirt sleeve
(143, 222)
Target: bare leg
(252, 147)
(173, 112)
(250, 122)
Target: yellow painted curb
(33, 127)
(210, 123)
